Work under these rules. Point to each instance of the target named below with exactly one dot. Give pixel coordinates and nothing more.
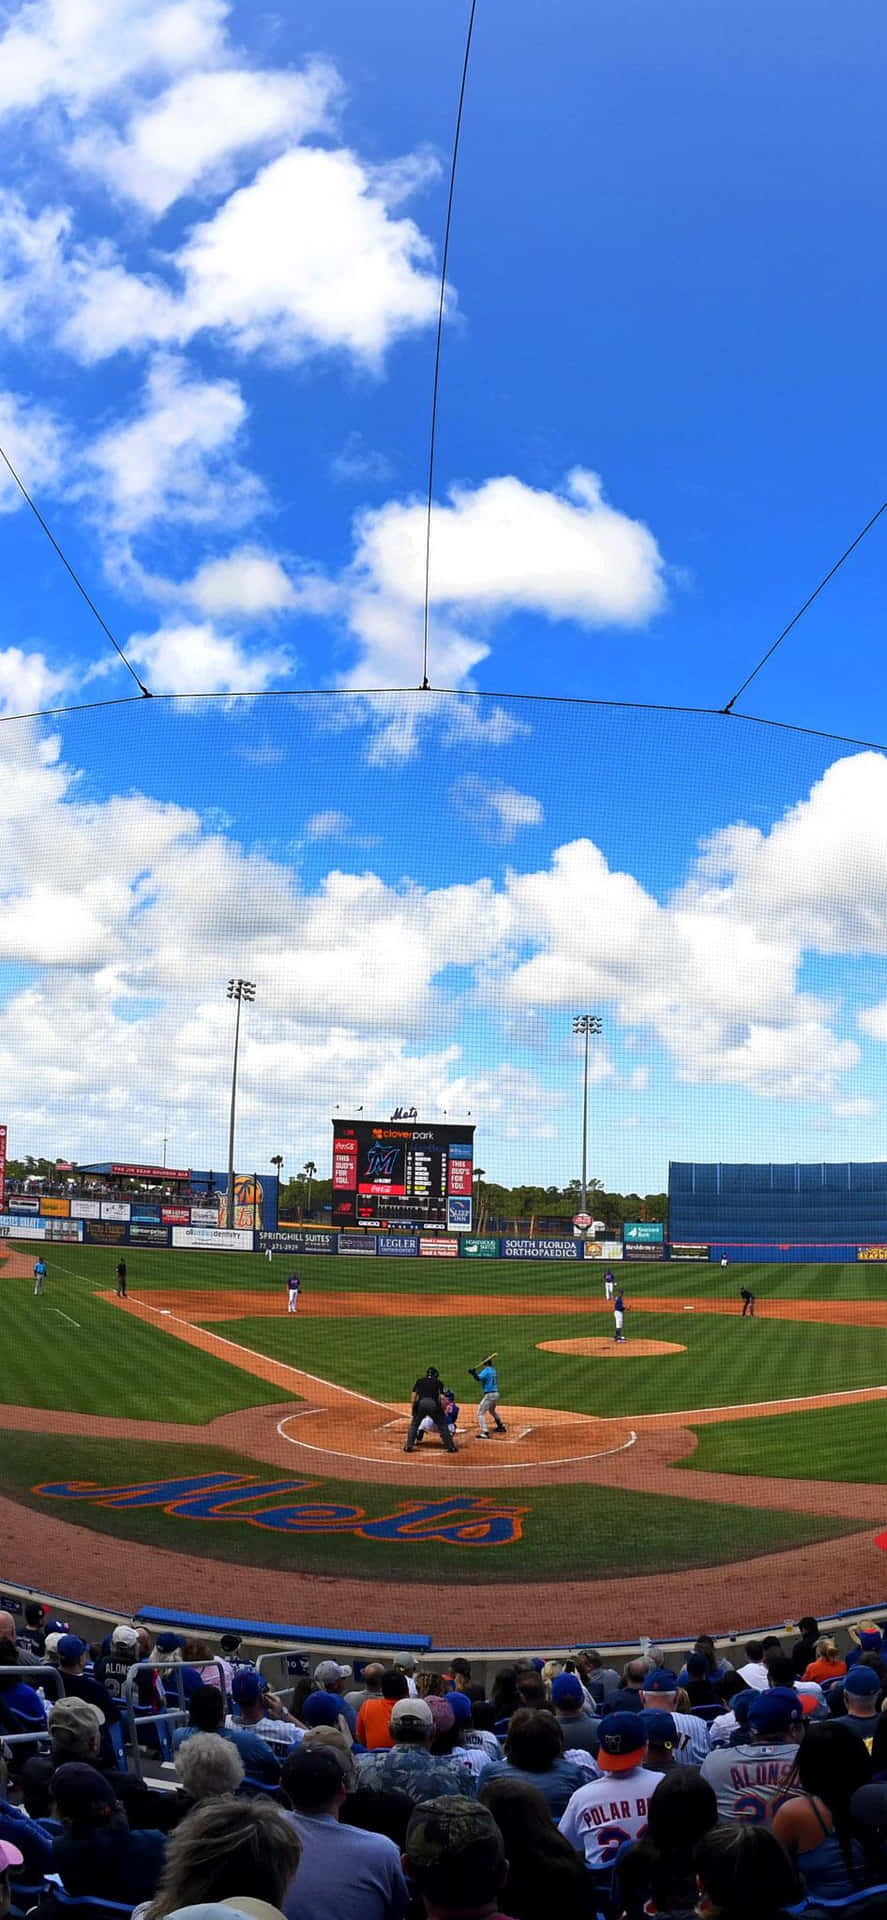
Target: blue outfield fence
(809, 1204)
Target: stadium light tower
(586, 1023)
(238, 990)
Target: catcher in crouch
(428, 1403)
(488, 1381)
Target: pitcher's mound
(612, 1349)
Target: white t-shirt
(755, 1675)
(600, 1817)
(748, 1778)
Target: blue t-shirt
(488, 1379)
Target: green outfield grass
(568, 1532)
(833, 1443)
(726, 1362)
(71, 1351)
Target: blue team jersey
(617, 1304)
(488, 1379)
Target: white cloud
(174, 459)
(356, 462)
(305, 259)
(195, 659)
(496, 812)
(181, 140)
(32, 262)
(860, 1107)
(36, 444)
(28, 683)
(331, 825)
(247, 582)
(78, 50)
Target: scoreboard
(402, 1175)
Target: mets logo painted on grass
(459, 1522)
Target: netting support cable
(144, 691)
(432, 439)
(802, 610)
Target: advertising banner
(64, 1229)
(398, 1245)
(214, 1239)
(24, 1203)
(85, 1210)
(298, 1240)
(129, 1170)
(149, 1216)
(541, 1250)
(52, 1207)
(654, 1251)
(459, 1214)
(200, 1217)
(105, 1233)
(357, 1243)
(459, 1175)
(443, 1249)
(480, 1249)
(643, 1232)
(148, 1236)
(115, 1209)
(19, 1227)
(2, 1167)
(606, 1250)
(178, 1217)
(688, 1250)
(871, 1253)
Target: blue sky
(661, 420)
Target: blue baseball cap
(741, 1704)
(247, 1687)
(658, 1726)
(461, 1706)
(775, 1711)
(567, 1690)
(322, 1709)
(70, 1646)
(661, 1680)
(622, 1742)
(862, 1681)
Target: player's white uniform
(293, 1286)
(602, 1816)
(609, 1289)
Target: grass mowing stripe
(833, 1443)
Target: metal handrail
(294, 1663)
(47, 1672)
(169, 1716)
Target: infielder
(609, 1286)
(619, 1311)
(39, 1274)
(293, 1289)
(488, 1380)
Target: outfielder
(293, 1289)
(488, 1380)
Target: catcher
(488, 1381)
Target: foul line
(64, 1316)
(238, 1347)
(810, 1400)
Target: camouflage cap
(453, 1834)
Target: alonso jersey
(748, 1778)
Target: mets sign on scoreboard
(397, 1174)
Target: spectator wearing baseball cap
(10, 1857)
(261, 1712)
(462, 1741)
(455, 1858)
(660, 1689)
(755, 1770)
(97, 1854)
(72, 1656)
(345, 1873)
(206, 1714)
(862, 1694)
(328, 1678)
(662, 1738)
(409, 1765)
(534, 1751)
(579, 1728)
(75, 1732)
(614, 1807)
(656, 1873)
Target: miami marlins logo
(381, 1162)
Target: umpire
(428, 1403)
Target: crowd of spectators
(564, 1790)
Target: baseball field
(196, 1446)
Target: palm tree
(277, 1161)
(310, 1171)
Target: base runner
(488, 1381)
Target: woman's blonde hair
(826, 1648)
(863, 1626)
(209, 1766)
(225, 1848)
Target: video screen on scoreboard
(402, 1175)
